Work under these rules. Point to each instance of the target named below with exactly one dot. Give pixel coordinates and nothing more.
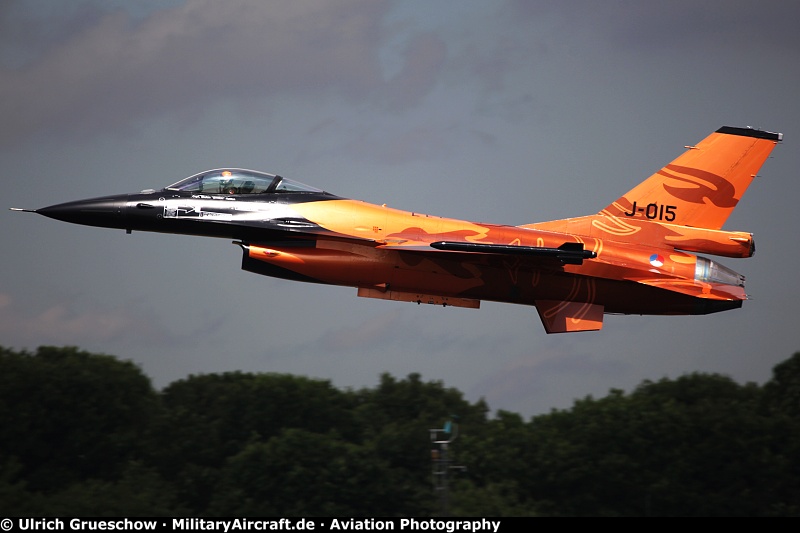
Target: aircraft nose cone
(106, 212)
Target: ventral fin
(565, 317)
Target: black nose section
(105, 212)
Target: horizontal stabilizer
(566, 317)
(571, 253)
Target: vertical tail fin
(701, 187)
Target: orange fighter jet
(633, 257)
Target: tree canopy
(88, 435)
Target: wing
(557, 316)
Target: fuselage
(635, 256)
(305, 234)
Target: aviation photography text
(225, 525)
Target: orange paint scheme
(636, 248)
(636, 256)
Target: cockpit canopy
(239, 181)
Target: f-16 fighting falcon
(635, 256)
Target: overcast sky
(507, 111)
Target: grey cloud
(650, 26)
(60, 323)
(425, 58)
(180, 60)
(531, 378)
(364, 336)
(29, 30)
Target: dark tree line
(87, 435)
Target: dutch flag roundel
(657, 260)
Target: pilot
(228, 187)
